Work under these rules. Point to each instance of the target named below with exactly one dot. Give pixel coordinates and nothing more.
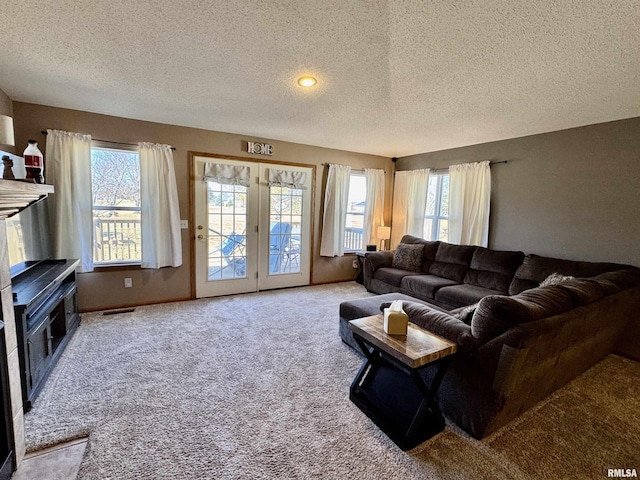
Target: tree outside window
(115, 183)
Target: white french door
(254, 237)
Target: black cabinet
(38, 352)
(46, 311)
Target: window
(436, 219)
(115, 182)
(355, 212)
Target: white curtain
(469, 198)
(374, 205)
(159, 212)
(69, 170)
(335, 211)
(409, 204)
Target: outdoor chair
(232, 250)
(279, 239)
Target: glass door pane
(285, 230)
(227, 231)
(285, 227)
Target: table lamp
(384, 233)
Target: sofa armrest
(373, 261)
(440, 323)
(500, 348)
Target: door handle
(200, 237)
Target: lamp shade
(6, 131)
(384, 233)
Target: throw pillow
(466, 313)
(408, 256)
(555, 278)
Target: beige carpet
(256, 386)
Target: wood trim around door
(192, 206)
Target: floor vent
(115, 312)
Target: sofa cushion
(485, 324)
(622, 278)
(496, 314)
(493, 269)
(608, 287)
(387, 304)
(545, 301)
(390, 275)
(408, 257)
(535, 269)
(428, 252)
(452, 261)
(440, 323)
(364, 307)
(463, 295)
(424, 286)
(583, 290)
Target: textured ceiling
(394, 77)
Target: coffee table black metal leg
(371, 357)
(428, 406)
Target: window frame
(115, 264)
(437, 216)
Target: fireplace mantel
(16, 195)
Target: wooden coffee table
(389, 388)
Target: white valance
(227, 174)
(287, 178)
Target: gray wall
(571, 194)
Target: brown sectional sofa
(523, 341)
(453, 276)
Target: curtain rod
(447, 169)
(440, 169)
(44, 132)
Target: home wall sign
(260, 148)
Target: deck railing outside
(353, 232)
(353, 239)
(117, 239)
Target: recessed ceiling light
(307, 81)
